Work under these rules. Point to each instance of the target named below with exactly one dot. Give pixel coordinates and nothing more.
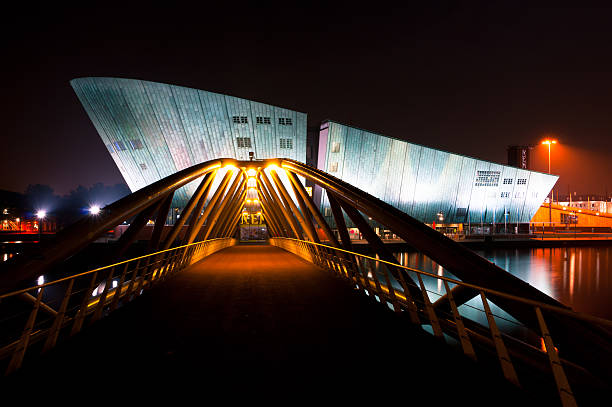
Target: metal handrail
(564, 311)
(17, 292)
(347, 264)
(89, 301)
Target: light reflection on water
(578, 277)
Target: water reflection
(578, 277)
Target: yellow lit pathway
(254, 316)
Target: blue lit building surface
(428, 184)
(153, 130)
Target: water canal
(579, 277)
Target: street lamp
(41, 216)
(549, 143)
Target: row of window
(245, 142)
(518, 194)
(520, 181)
(487, 178)
(283, 121)
(136, 144)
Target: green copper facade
(429, 184)
(152, 130)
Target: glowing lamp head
(94, 209)
(549, 142)
(251, 172)
(41, 214)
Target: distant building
(518, 156)
(433, 186)
(153, 130)
(593, 206)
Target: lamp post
(549, 142)
(41, 216)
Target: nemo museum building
(152, 130)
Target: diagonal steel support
(197, 212)
(274, 199)
(222, 203)
(306, 226)
(378, 246)
(210, 206)
(207, 180)
(297, 185)
(340, 224)
(160, 222)
(128, 237)
(275, 212)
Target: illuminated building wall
(153, 130)
(425, 182)
(563, 216)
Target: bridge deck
(259, 315)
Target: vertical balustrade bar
(466, 344)
(563, 386)
(128, 294)
(431, 313)
(22, 346)
(117, 294)
(502, 352)
(102, 299)
(59, 319)
(392, 295)
(80, 316)
(379, 291)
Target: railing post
(80, 316)
(412, 308)
(466, 345)
(392, 296)
(117, 293)
(431, 313)
(565, 391)
(22, 346)
(59, 319)
(502, 352)
(102, 299)
(128, 294)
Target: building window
(507, 181)
(285, 121)
(333, 167)
(243, 142)
(143, 166)
(505, 194)
(286, 143)
(110, 148)
(119, 146)
(335, 147)
(521, 181)
(262, 120)
(487, 178)
(136, 144)
(239, 119)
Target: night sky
(470, 79)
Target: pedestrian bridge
(303, 304)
